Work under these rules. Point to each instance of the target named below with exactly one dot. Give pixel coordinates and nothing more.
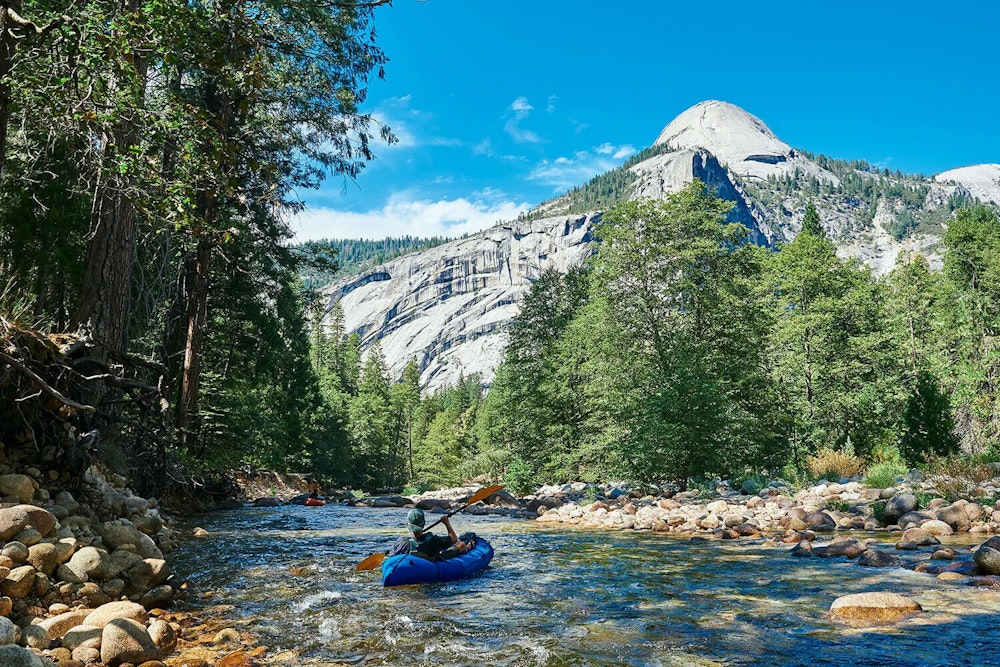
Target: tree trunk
(105, 294)
(196, 316)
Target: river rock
(899, 505)
(503, 499)
(112, 610)
(121, 561)
(163, 635)
(6, 606)
(919, 536)
(876, 558)
(12, 521)
(955, 516)
(17, 552)
(19, 486)
(88, 636)
(987, 559)
(819, 521)
(124, 640)
(15, 656)
(158, 596)
(37, 637)
(19, 582)
(57, 626)
(122, 532)
(944, 553)
(89, 563)
(267, 502)
(86, 654)
(43, 557)
(803, 549)
(29, 537)
(432, 503)
(8, 632)
(148, 573)
(936, 528)
(875, 606)
(850, 548)
(911, 519)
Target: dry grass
(830, 464)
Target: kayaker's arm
(446, 522)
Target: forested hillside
(354, 255)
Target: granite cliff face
(448, 306)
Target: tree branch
(42, 384)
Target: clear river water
(558, 596)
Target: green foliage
(519, 477)
(929, 428)
(884, 474)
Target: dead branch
(24, 370)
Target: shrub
(519, 477)
(884, 474)
(833, 465)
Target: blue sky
(501, 105)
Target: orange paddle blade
(370, 563)
(483, 494)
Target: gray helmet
(415, 518)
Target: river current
(559, 597)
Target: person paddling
(430, 546)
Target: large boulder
(124, 640)
(899, 505)
(17, 486)
(876, 606)
(112, 610)
(434, 503)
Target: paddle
(373, 561)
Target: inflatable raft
(407, 569)
(314, 502)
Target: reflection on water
(556, 597)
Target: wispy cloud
(566, 172)
(402, 215)
(551, 106)
(518, 111)
(399, 114)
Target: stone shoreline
(822, 520)
(84, 580)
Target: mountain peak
(729, 132)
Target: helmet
(415, 518)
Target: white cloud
(519, 110)
(392, 111)
(566, 172)
(552, 103)
(401, 216)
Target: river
(560, 597)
